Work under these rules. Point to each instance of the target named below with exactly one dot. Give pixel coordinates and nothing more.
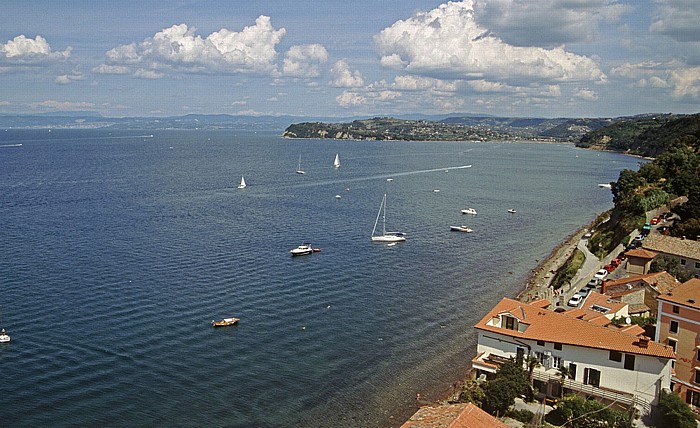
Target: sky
(526, 58)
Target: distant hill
(647, 135)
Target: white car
(601, 274)
(575, 300)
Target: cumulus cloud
(350, 99)
(304, 60)
(682, 80)
(677, 19)
(179, 49)
(417, 83)
(66, 79)
(447, 42)
(344, 78)
(585, 94)
(25, 51)
(546, 22)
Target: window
(615, 356)
(510, 323)
(556, 362)
(683, 261)
(520, 354)
(697, 265)
(629, 361)
(540, 342)
(557, 346)
(692, 397)
(697, 357)
(697, 375)
(673, 328)
(591, 377)
(676, 309)
(572, 371)
(542, 357)
(672, 343)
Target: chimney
(643, 342)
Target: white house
(603, 362)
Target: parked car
(662, 229)
(666, 215)
(609, 267)
(601, 274)
(616, 262)
(575, 300)
(593, 283)
(654, 221)
(584, 292)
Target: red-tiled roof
(686, 294)
(452, 416)
(554, 327)
(671, 245)
(662, 281)
(641, 253)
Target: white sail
(242, 185)
(299, 170)
(385, 236)
(336, 162)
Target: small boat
(336, 161)
(302, 250)
(436, 190)
(471, 211)
(390, 179)
(605, 185)
(385, 236)
(4, 338)
(299, 170)
(462, 228)
(224, 322)
(512, 211)
(242, 185)
(338, 196)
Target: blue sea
(118, 249)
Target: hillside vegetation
(674, 172)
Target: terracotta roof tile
(452, 416)
(672, 245)
(641, 253)
(554, 327)
(686, 294)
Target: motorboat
(471, 211)
(225, 322)
(4, 338)
(605, 185)
(461, 229)
(512, 211)
(302, 250)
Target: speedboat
(224, 322)
(471, 211)
(605, 185)
(512, 211)
(302, 250)
(461, 229)
(4, 338)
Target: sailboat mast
(384, 216)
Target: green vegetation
(567, 271)
(670, 265)
(639, 320)
(675, 413)
(523, 415)
(579, 412)
(673, 173)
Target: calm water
(117, 250)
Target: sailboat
(4, 338)
(299, 170)
(242, 185)
(385, 236)
(336, 162)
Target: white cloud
(111, 69)
(179, 49)
(448, 43)
(585, 94)
(25, 51)
(677, 19)
(546, 22)
(61, 105)
(350, 99)
(304, 60)
(66, 79)
(417, 83)
(683, 80)
(344, 78)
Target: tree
(579, 412)
(510, 381)
(674, 412)
(672, 266)
(564, 373)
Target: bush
(579, 412)
(675, 413)
(567, 271)
(523, 415)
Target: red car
(616, 262)
(609, 267)
(655, 220)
